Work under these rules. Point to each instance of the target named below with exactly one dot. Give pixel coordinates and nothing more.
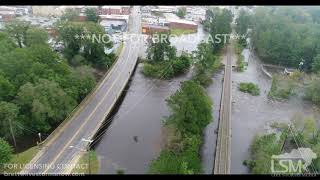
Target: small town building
(7, 13)
(165, 9)
(6, 16)
(151, 29)
(82, 17)
(114, 17)
(182, 24)
(112, 26)
(119, 10)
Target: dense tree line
(243, 23)
(38, 87)
(217, 23)
(85, 43)
(206, 62)
(191, 113)
(302, 133)
(162, 60)
(182, 12)
(287, 36)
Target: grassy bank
(21, 159)
(82, 166)
(167, 69)
(178, 32)
(240, 59)
(282, 87)
(191, 113)
(118, 51)
(303, 133)
(250, 88)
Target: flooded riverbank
(210, 135)
(251, 115)
(135, 136)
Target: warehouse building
(7, 13)
(112, 26)
(151, 29)
(182, 24)
(119, 10)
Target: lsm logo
(296, 162)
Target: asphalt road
(57, 157)
(223, 149)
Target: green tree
(242, 24)
(36, 36)
(160, 48)
(313, 91)
(7, 90)
(6, 43)
(6, 152)
(205, 63)
(285, 37)
(190, 107)
(92, 50)
(44, 104)
(218, 22)
(77, 60)
(181, 64)
(9, 123)
(91, 14)
(70, 15)
(262, 148)
(316, 64)
(182, 11)
(17, 30)
(80, 82)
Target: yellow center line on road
(87, 119)
(73, 159)
(114, 67)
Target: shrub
(5, 152)
(281, 87)
(167, 69)
(191, 113)
(251, 88)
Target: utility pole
(88, 150)
(39, 134)
(12, 134)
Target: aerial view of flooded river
(252, 115)
(135, 136)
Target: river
(252, 115)
(135, 135)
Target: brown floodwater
(135, 135)
(252, 115)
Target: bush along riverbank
(191, 113)
(206, 63)
(240, 59)
(300, 136)
(190, 106)
(162, 61)
(191, 109)
(250, 88)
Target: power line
(132, 107)
(293, 134)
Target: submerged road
(223, 149)
(66, 147)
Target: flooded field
(210, 136)
(252, 114)
(135, 136)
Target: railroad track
(223, 148)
